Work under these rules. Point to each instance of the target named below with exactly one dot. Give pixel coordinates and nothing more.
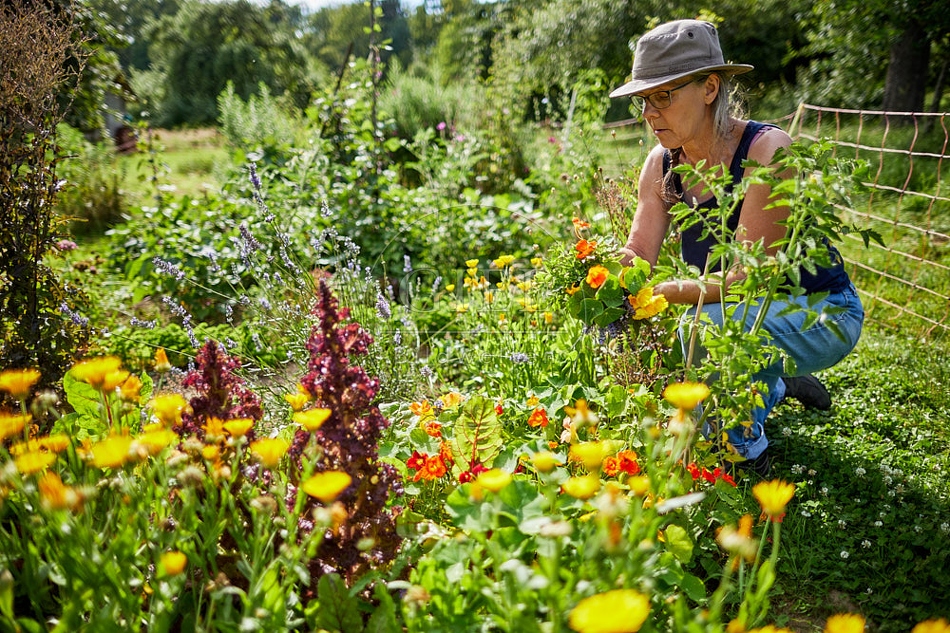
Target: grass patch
(192, 161)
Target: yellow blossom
(95, 370)
(327, 486)
(460, 308)
(214, 429)
(583, 487)
(686, 395)
(238, 427)
(297, 400)
(845, 623)
(18, 382)
(739, 540)
(932, 626)
(451, 400)
(770, 628)
(34, 462)
(450, 287)
(12, 424)
(471, 263)
(111, 452)
(56, 443)
(168, 408)
(130, 390)
(503, 261)
(269, 450)
(537, 262)
(580, 414)
(645, 304)
(211, 452)
(173, 563)
(549, 317)
(495, 479)
(545, 461)
(161, 361)
(153, 440)
(773, 496)
(639, 485)
(616, 611)
(312, 419)
(54, 495)
(591, 454)
(114, 379)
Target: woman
(682, 84)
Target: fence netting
(904, 284)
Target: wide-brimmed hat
(674, 50)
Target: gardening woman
(682, 84)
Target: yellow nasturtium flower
(583, 487)
(495, 479)
(269, 450)
(617, 611)
(327, 486)
(686, 396)
(312, 419)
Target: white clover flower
(812, 472)
(787, 432)
(865, 544)
(842, 523)
(860, 472)
(918, 529)
(806, 513)
(824, 490)
(844, 554)
(797, 469)
(878, 524)
(945, 527)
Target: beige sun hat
(674, 50)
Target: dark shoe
(809, 391)
(761, 465)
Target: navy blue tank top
(695, 250)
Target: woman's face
(683, 119)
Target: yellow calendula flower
(327, 486)
(168, 408)
(214, 429)
(686, 395)
(297, 400)
(312, 419)
(19, 382)
(111, 452)
(34, 462)
(495, 479)
(161, 361)
(269, 450)
(617, 611)
(211, 452)
(239, 427)
(773, 496)
(932, 626)
(545, 461)
(12, 424)
(591, 454)
(113, 380)
(155, 439)
(583, 487)
(56, 443)
(131, 389)
(95, 370)
(503, 261)
(54, 495)
(471, 263)
(845, 623)
(771, 628)
(173, 563)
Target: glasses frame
(640, 101)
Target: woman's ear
(712, 85)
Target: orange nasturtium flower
(686, 396)
(269, 450)
(538, 418)
(312, 419)
(168, 408)
(161, 361)
(111, 452)
(773, 496)
(616, 611)
(845, 623)
(238, 427)
(433, 468)
(596, 276)
(94, 371)
(585, 248)
(34, 462)
(421, 409)
(327, 486)
(18, 382)
(12, 424)
(580, 224)
(173, 563)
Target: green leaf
(383, 619)
(478, 432)
(693, 587)
(610, 292)
(590, 310)
(679, 543)
(608, 316)
(338, 610)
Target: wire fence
(905, 284)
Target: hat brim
(640, 85)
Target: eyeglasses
(659, 100)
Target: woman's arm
(651, 221)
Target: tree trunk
(906, 82)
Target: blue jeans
(814, 349)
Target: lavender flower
(255, 179)
(407, 264)
(382, 308)
(147, 325)
(519, 358)
(75, 317)
(168, 268)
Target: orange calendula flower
(617, 611)
(583, 487)
(596, 276)
(111, 452)
(686, 396)
(161, 361)
(585, 248)
(19, 382)
(495, 479)
(173, 563)
(538, 418)
(580, 224)
(312, 419)
(645, 304)
(433, 468)
(168, 408)
(269, 450)
(238, 427)
(932, 626)
(94, 370)
(130, 390)
(297, 400)
(34, 462)
(12, 424)
(773, 496)
(55, 495)
(845, 623)
(327, 486)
